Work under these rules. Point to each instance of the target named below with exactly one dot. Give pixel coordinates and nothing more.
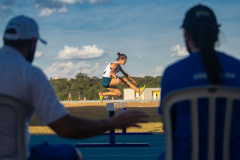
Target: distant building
(148, 94)
(57, 77)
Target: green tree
(91, 86)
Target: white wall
(129, 94)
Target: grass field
(96, 110)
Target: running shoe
(101, 96)
(142, 89)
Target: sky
(85, 35)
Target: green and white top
(108, 69)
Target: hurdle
(111, 108)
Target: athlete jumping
(110, 79)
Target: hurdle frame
(111, 108)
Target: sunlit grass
(146, 127)
(98, 111)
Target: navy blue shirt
(190, 72)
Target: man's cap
(22, 28)
(198, 15)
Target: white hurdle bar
(116, 106)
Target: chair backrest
(20, 112)
(192, 95)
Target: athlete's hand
(119, 80)
(128, 119)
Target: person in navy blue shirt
(203, 66)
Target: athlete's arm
(127, 75)
(77, 127)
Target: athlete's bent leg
(114, 91)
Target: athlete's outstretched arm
(127, 75)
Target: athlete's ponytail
(121, 56)
(201, 25)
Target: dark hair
(201, 25)
(121, 56)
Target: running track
(157, 146)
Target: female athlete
(110, 79)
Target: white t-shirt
(108, 69)
(28, 84)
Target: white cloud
(98, 1)
(47, 11)
(38, 54)
(59, 69)
(72, 1)
(177, 50)
(49, 7)
(45, 7)
(69, 70)
(84, 1)
(86, 52)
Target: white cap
(24, 28)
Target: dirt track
(96, 110)
(129, 104)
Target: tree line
(89, 87)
